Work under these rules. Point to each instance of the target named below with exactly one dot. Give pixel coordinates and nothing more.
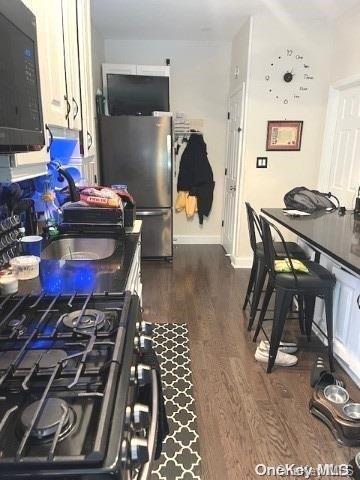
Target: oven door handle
(145, 470)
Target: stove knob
(145, 327)
(128, 416)
(143, 374)
(133, 379)
(139, 451)
(141, 416)
(143, 343)
(125, 452)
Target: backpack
(301, 198)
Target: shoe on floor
(282, 359)
(285, 347)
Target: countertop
(107, 275)
(337, 236)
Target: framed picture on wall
(284, 135)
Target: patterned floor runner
(180, 459)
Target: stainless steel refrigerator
(137, 151)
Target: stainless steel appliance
(137, 151)
(21, 124)
(71, 371)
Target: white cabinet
(86, 82)
(153, 70)
(72, 63)
(347, 319)
(65, 67)
(50, 41)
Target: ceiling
(199, 19)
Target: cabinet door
(86, 83)
(51, 59)
(347, 318)
(153, 70)
(72, 63)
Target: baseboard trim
(197, 239)
(241, 262)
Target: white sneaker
(285, 347)
(282, 359)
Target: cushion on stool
(318, 277)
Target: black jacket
(196, 176)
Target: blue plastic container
(31, 245)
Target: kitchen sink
(79, 248)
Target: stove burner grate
(90, 319)
(55, 412)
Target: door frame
(239, 179)
(330, 127)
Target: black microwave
(21, 122)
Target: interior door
(232, 170)
(345, 157)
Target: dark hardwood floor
(245, 417)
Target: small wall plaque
(284, 135)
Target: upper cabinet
(86, 78)
(50, 39)
(65, 67)
(71, 54)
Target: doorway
(232, 170)
(340, 169)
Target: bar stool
(319, 282)
(259, 269)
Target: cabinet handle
(90, 139)
(358, 301)
(51, 138)
(68, 107)
(76, 108)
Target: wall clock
(288, 77)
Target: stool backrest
(254, 225)
(269, 247)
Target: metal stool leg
(259, 285)
(329, 326)
(264, 307)
(283, 300)
(301, 314)
(251, 283)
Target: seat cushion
(317, 278)
(294, 250)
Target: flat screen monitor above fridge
(137, 94)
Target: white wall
(199, 87)
(346, 53)
(271, 36)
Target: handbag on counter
(310, 201)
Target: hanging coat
(196, 176)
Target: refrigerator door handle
(168, 145)
(152, 213)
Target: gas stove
(69, 374)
